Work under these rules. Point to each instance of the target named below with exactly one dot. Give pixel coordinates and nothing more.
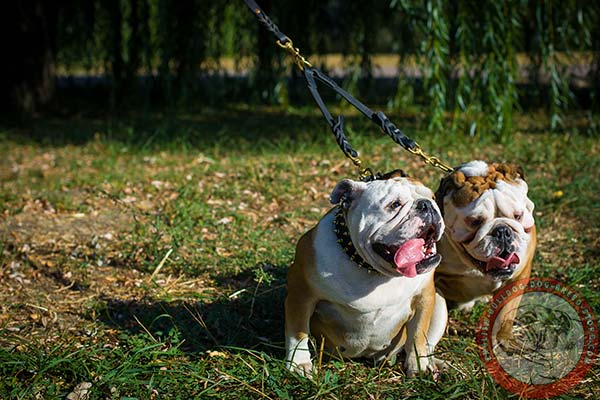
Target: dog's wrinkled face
(488, 214)
(394, 223)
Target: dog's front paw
(426, 365)
(437, 367)
(412, 367)
(303, 369)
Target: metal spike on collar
(343, 238)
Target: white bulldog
(490, 234)
(362, 279)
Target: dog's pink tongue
(407, 257)
(502, 263)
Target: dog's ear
(447, 185)
(520, 171)
(347, 190)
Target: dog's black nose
(423, 205)
(503, 233)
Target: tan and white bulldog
(362, 279)
(490, 235)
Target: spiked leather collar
(343, 238)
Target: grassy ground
(146, 258)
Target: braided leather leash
(313, 74)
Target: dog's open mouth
(415, 256)
(500, 266)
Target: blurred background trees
(469, 64)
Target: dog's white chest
(368, 309)
(367, 329)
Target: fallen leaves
(80, 232)
(217, 354)
(81, 392)
(224, 221)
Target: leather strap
(266, 21)
(313, 74)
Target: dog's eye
(396, 205)
(474, 222)
(345, 204)
(518, 216)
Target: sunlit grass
(148, 256)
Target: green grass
(91, 208)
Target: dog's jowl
(490, 234)
(362, 279)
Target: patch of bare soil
(56, 267)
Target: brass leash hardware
(365, 174)
(295, 52)
(431, 160)
(313, 74)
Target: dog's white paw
(411, 366)
(427, 365)
(303, 369)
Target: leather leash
(313, 74)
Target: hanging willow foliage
(484, 60)
(472, 63)
(436, 49)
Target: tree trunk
(28, 29)
(115, 51)
(265, 77)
